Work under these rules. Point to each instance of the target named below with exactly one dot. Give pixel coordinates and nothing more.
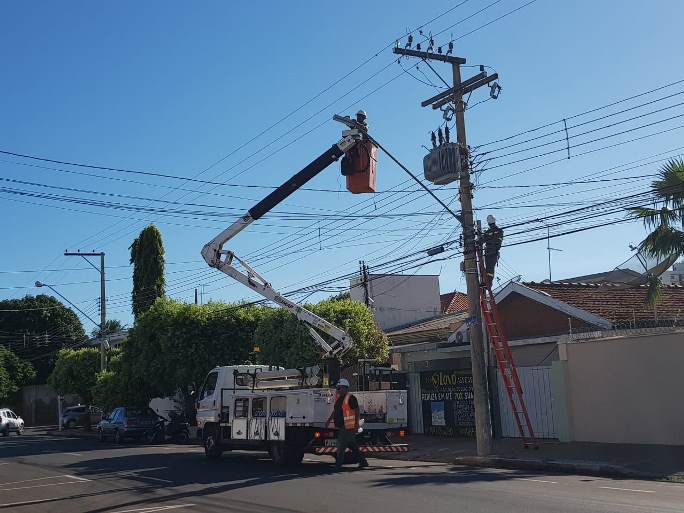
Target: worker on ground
(346, 417)
(492, 239)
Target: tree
(76, 372)
(110, 390)
(111, 326)
(174, 345)
(147, 257)
(665, 219)
(38, 326)
(283, 340)
(14, 373)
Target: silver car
(10, 421)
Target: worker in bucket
(492, 239)
(347, 421)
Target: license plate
(330, 442)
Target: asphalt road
(41, 473)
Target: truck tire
(283, 454)
(212, 449)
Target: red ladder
(504, 357)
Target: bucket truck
(287, 411)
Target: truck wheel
(286, 454)
(211, 448)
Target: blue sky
(174, 87)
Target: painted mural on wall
(448, 407)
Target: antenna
(549, 248)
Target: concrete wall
(38, 405)
(625, 389)
(400, 300)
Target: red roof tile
(454, 302)
(617, 303)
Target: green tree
(39, 326)
(283, 340)
(14, 373)
(147, 257)
(75, 372)
(665, 220)
(173, 346)
(110, 390)
(111, 326)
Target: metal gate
(536, 385)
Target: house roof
(453, 302)
(437, 329)
(615, 302)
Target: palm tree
(665, 219)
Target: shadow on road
(455, 475)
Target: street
(43, 473)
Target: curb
(576, 467)
(75, 433)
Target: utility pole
(196, 299)
(103, 302)
(364, 280)
(549, 249)
(483, 426)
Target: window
(116, 415)
(259, 407)
(278, 406)
(11, 415)
(241, 408)
(209, 385)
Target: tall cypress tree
(147, 257)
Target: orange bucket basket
(359, 166)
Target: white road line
(4, 463)
(626, 489)
(155, 508)
(42, 479)
(77, 478)
(39, 486)
(73, 453)
(539, 481)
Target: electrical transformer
(444, 163)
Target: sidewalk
(615, 460)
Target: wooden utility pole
(483, 425)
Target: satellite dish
(639, 269)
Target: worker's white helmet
(343, 383)
(491, 219)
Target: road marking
(73, 453)
(44, 478)
(539, 481)
(39, 486)
(155, 508)
(4, 463)
(626, 489)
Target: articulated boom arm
(214, 254)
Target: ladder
(504, 357)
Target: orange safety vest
(348, 413)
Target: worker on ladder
(346, 417)
(492, 239)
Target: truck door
(257, 420)
(207, 409)
(240, 414)
(276, 418)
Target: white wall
(675, 276)
(400, 300)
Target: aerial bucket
(359, 166)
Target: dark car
(127, 422)
(80, 416)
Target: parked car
(81, 416)
(127, 422)
(10, 421)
